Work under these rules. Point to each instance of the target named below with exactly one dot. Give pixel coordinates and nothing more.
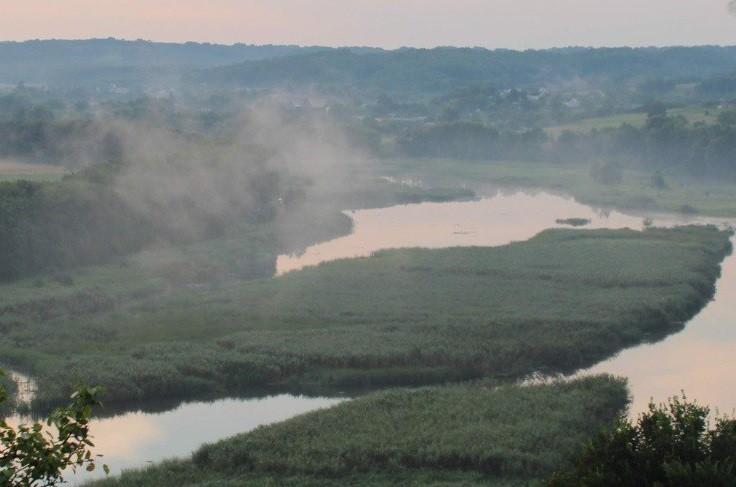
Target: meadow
(471, 434)
(560, 301)
(693, 114)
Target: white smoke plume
(267, 159)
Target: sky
(515, 24)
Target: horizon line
(378, 48)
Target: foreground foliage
(474, 434)
(34, 455)
(671, 445)
(561, 301)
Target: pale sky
(516, 24)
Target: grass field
(474, 434)
(637, 119)
(635, 192)
(12, 171)
(560, 301)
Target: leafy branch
(37, 454)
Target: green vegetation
(560, 301)
(87, 218)
(671, 445)
(414, 72)
(35, 455)
(669, 143)
(61, 225)
(474, 434)
(148, 272)
(694, 114)
(635, 191)
(573, 222)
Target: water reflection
(700, 360)
(493, 221)
(136, 439)
(25, 388)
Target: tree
(608, 173)
(36, 455)
(657, 181)
(670, 445)
(655, 109)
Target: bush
(657, 181)
(608, 173)
(669, 445)
(33, 457)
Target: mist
(265, 164)
(450, 250)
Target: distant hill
(438, 70)
(111, 65)
(64, 61)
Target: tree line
(664, 142)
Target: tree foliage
(664, 143)
(669, 445)
(35, 455)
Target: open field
(635, 192)
(13, 171)
(475, 434)
(637, 119)
(563, 300)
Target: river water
(137, 439)
(699, 360)
(498, 220)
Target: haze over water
(698, 360)
(656, 370)
(492, 221)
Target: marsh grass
(473, 434)
(558, 302)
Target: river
(699, 360)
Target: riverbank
(476, 434)
(558, 302)
(635, 191)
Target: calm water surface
(137, 439)
(700, 359)
(487, 222)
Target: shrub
(608, 173)
(669, 445)
(32, 457)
